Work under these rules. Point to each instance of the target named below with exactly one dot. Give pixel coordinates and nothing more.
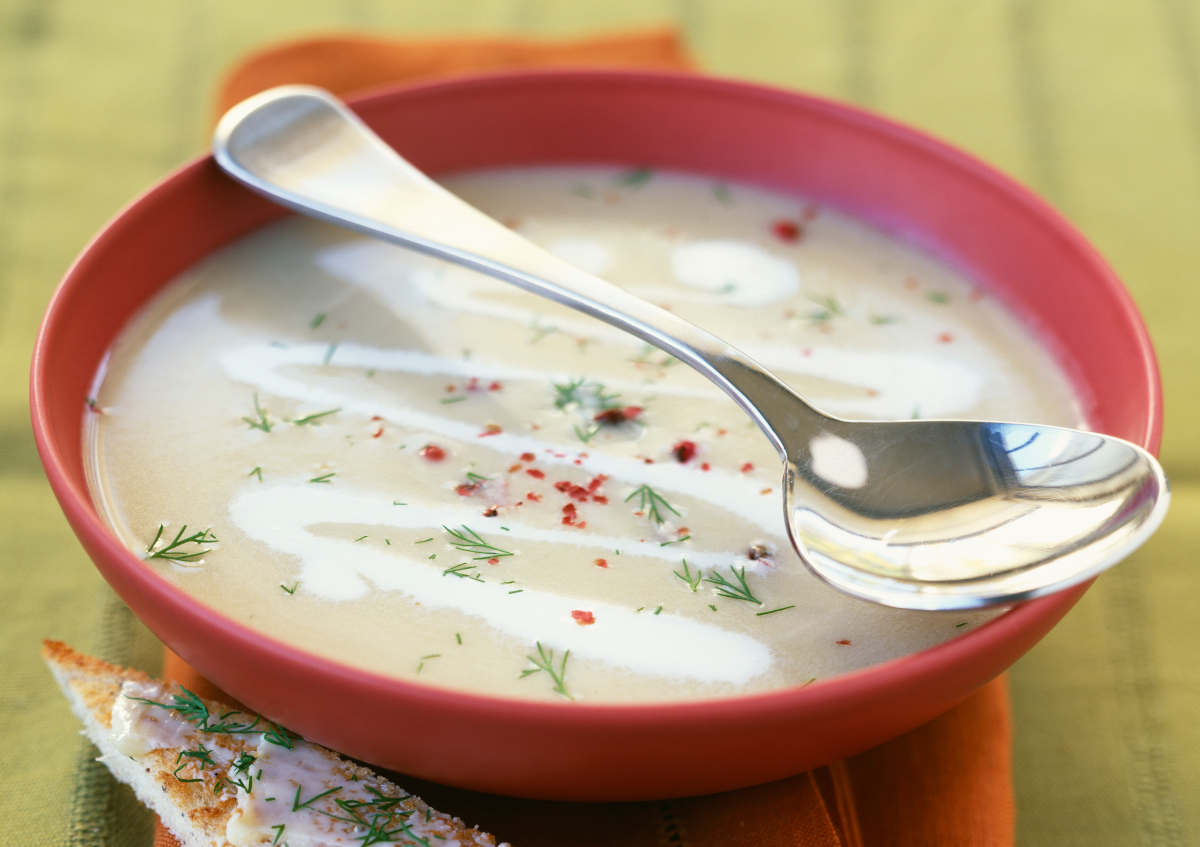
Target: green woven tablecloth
(1094, 104)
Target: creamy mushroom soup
(414, 469)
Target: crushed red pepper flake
(583, 618)
(527, 457)
(705, 466)
(787, 230)
(617, 415)
(747, 467)
(945, 338)
(514, 467)
(684, 451)
(535, 473)
(495, 386)
(432, 453)
(466, 489)
(491, 512)
(378, 433)
(534, 497)
(845, 642)
(491, 429)
(601, 563)
(765, 491)
(493, 561)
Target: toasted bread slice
(218, 777)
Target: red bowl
(897, 178)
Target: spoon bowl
(926, 514)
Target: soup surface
(411, 468)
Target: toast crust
(220, 777)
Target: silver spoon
(926, 514)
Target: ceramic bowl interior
(898, 179)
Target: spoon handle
(305, 150)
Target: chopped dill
(586, 435)
(173, 550)
(938, 297)
(692, 578)
(721, 191)
(324, 478)
(650, 501)
(292, 589)
(734, 591)
(468, 540)
(361, 538)
(297, 805)
(329, 351)
(773, 611)
(474, 477)
(426, 658)
(544, 661)
(882, 320)
(635, 177)
(458, 398)
(423, 540)
(318, 319)
(315, 417)
(674, 541)
(658, 610)
(260, 421)
(279, 828)
(828, 309)
(712, 606)
(541, 330)
(458, 637)
(257, 472)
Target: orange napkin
(948, 782)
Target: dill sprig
(201, 757)
(738, 590)
(650, 502)
(692, 578)
(315, 417)
(260, 421)
(463, 570)
(544, 661)
(188, 704)
(173, 549)
(567, 393)
(324, 478)
(468, 540)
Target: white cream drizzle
(748, 274)
(282, 516)
(889, 383)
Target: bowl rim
(865, 683)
